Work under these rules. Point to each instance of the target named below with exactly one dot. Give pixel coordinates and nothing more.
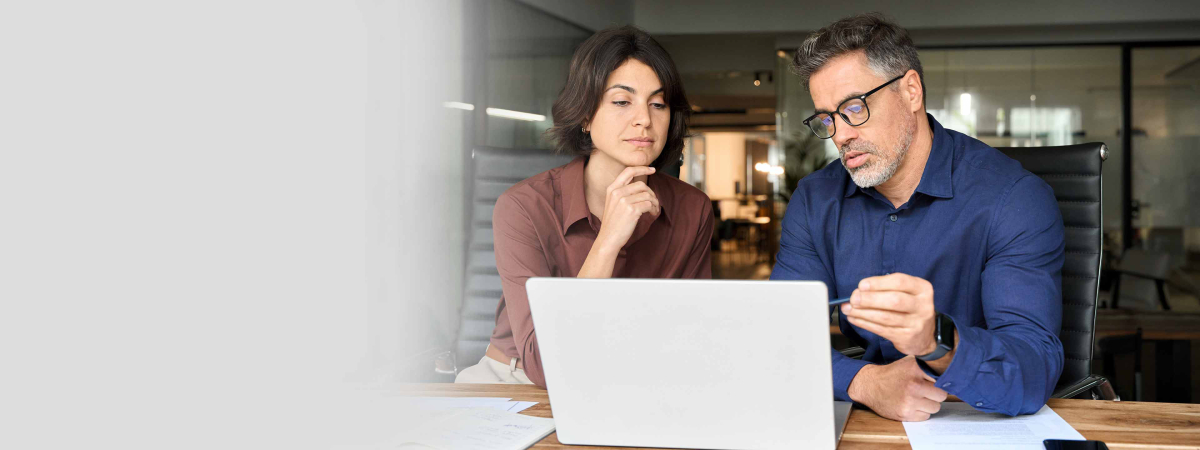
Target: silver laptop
(686, 363)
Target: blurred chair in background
(492, 171)
(1141, 274)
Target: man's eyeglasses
(854, 111)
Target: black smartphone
(1060, 444)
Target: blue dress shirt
(984, 231)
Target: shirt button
(978, 403)
(892, 217)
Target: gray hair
(890, 51)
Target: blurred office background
(1010, 74)
(238, 202)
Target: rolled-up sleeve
(519, 256)
(1012, 366)
(798, 260)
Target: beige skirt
(493, 372)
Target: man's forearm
(856, 390)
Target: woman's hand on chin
(624, 203)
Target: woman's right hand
(626, 200)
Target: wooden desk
(1122, 425)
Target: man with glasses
(950, 252)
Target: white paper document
(520, 406)
(958, 425)
(481, 429)
(443, 403)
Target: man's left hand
(898, 308)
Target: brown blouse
(543, 228)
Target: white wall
(724, 164)
(184, 205)
(415, 166)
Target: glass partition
(517, 63)
(1166, 143)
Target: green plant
(804, 153)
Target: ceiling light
(516, 115)
(459, 105)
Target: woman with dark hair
(610, 212)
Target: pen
(838, 301)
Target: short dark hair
(890, 50)
(594, 60)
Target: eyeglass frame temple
(862, 98)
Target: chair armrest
(853, 352)
(1097, 386)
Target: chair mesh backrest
(1073, 171)
(493, 170)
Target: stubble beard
(884, 164)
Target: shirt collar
(574, 196)
(935, 180)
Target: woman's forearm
(600, 261)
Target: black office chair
(492, 171)
(1073, 171)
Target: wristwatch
(943, 334)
